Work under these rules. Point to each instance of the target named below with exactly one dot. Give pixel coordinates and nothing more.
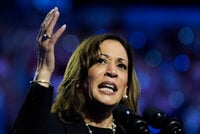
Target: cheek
(124, 79)
(94, 73)
(92, 78)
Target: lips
(108, 87)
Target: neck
(104, 123)
(98, 114)
(112, 127)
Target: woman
(98, 76)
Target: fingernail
(64, 26)
(51, 10)
(55, 8)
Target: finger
(45, 24)
(57, 34)
(53, 22)
(48, 17)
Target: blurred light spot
(46, 5)
(170, 76)
(144, 79)
(186, 36)
(137, 39)
(176, 99)
(70, 42)
(153, 58)
(182, 63)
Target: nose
(111, 71)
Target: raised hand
(46, 41)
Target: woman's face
(108, 77)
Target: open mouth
(107, 87)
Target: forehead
(113, 48)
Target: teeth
(110, 86)
(106, 90)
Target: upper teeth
(110, 86)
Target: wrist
(42, 77)
(41, 82)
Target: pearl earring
(125, 97)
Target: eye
(122, 66)
(101, 61)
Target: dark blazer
(34, 116)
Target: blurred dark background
(165, 36)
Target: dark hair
(70, 98)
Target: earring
(125, 97)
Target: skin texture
(110, 69)
(45, 48)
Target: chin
(110, 104)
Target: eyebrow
(119, 59)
